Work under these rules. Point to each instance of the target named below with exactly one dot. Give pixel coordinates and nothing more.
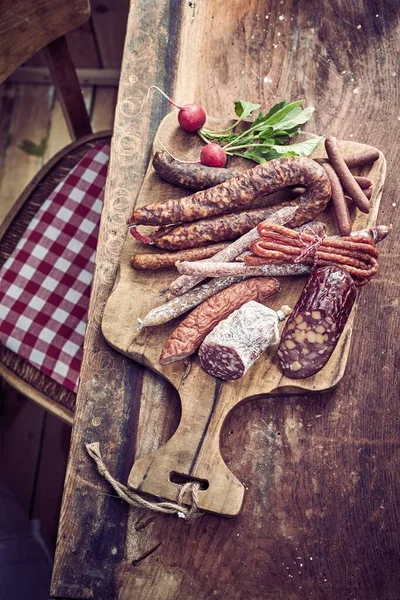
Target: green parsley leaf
(243, 108)
(301, 148)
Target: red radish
(213, 155)
(191, 117)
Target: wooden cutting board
(193, 453)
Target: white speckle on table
(351, 135)
(344, 72)
(114, 550)
(275, 45)
(358, 26)
(398, 118)
(377, 16)
(267, 16)
(355, 91)
(267, 80)
(278, 34)
(393, 74)
(281, 17)
(394, 204)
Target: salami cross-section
(238, 341)
(319, 316)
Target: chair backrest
(27, 26)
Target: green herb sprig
(268, 135)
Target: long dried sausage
(168, 259)
(218, 269)
(178, 306)
(346, 177)
(189, 175)
(239, 193)
(214, 229)
(318, 319)
(188, 336)
(185, 282)
(343, 219)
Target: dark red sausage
(240, 192)
(318, 319)
(188, 175)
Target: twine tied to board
(133, 499)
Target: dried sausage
(192, 176)
(178, 306)
(185, 282)
(346, 178)
(213, 229)
(318, 319)
(234, 345)
(168, 259)
(188, 336)
(219, 269)
(342, 215)
(239, 193)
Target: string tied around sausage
(310, 246)
(277, 244)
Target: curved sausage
(239, 193)
(189, 175)
(214, 229)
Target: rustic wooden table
(321, 511)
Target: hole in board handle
(181, 479)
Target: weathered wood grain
(27, 27)
(320, 514)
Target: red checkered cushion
(45, 284)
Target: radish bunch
(191, 117)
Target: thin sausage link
(346, 177)
(357, 255)
(343, 220)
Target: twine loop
(188, 510)
(309, 246)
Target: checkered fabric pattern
(45, 284)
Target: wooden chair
(27, 27)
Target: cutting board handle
(193, 453)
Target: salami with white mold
(237, 342)
(317, 322)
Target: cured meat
(185, 282)
(216, 269)
(237, 342)
(188, 175)
(318, 319)
(168, 259)
(239, 193)
(178, 306)
(188, 336)
(344, 174)
(215, 229)
(357, 255)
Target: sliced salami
(238, 341)
(318, 319)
